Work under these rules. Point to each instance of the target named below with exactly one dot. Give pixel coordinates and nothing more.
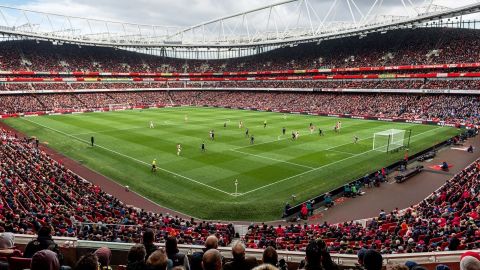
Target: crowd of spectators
(346, 84)
(448, 219)
(37, 190)
(454, 108)
(451, 108)
(400, 47)
(402, 84)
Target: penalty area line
(274, 159)
(321, 167)
(129, 157)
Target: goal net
(388, 140)
(118, 107)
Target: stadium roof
(257, 30)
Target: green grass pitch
(201, 184)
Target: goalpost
(389, 140)
(118, 107)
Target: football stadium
(301, 134)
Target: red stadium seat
(17, 263)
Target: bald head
(212, 260)
(211, 242)
(238, 250)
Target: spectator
(212, 260)
(7, 240)
(239, 261)
(265, 267)
(178, 259)
(157, 261)
(87, 262)
(410, 264)
(136, 257)
(312, 257)
(361, 256)
(148, 239)
(210, 243)
(469, 263)
(104, 255)
(270, 256)
(373, 260)
(43, 241)
(45, 260)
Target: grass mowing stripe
(315, 169)
(106, 131)
(129, 157)
(341, 152)
(278, 160)
(218, 166)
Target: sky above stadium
(178, 12)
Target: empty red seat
(18, 263)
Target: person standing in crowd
(178, 258)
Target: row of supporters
(37, 191)
(415, 84)
(433, 75)
(410, 47)
(432, 107)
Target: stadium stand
(413, 47)
(446, 220)
(450, 108)
(39, 191)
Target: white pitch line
(341, 152)
(129, 157)
(278, 160)
(321, 167)
(287, 137)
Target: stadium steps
(39, 100)
(170, 98)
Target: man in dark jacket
(196, 261)
(240, 262)
(177, 258)
(148, 239)
(43, 241)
